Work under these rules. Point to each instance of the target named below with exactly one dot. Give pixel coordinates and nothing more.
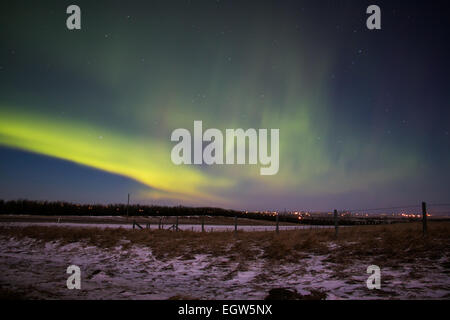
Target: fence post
(203, 223)
(336, 223)
(176, 224)
(133, 224)
(160, 223)
(424, 218)
(278, 221)
(235, 224)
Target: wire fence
(431, 209)
(392, 214)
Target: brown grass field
(387, 242)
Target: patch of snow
(135, 273)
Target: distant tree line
(58, 208)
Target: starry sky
(364, 118)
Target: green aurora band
(109, 96)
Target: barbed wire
(410, 206)
(439, 205)
(388, 208)
(439, 212)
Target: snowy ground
(188, 227)
(38, 270)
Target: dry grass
(7, 294)
(400, 241)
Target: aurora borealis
(364, 116)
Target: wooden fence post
(176, 224)
(235, 224)
(424, 218)
(203, 223)
(336, 223)
(133, 224)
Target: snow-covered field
(186, 227)
(38, 270)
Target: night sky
(364, 116)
